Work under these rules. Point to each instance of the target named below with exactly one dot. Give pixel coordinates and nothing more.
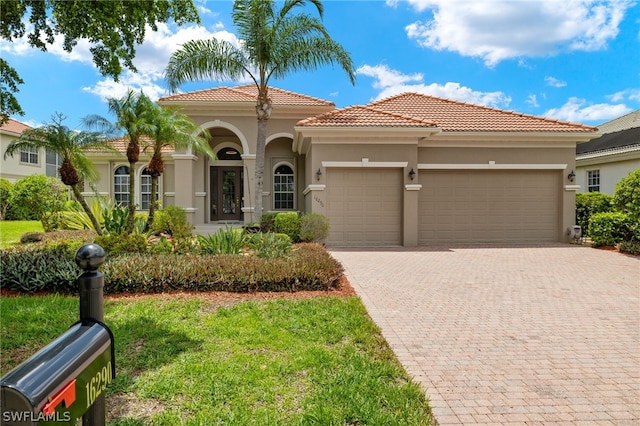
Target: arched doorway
(226, 183)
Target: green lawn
(12, 230)
(191, 362)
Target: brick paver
(510, 335)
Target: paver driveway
(510, 335)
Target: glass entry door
(226, 193)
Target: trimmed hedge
(40, 267)
(608, 229)
(288, 223)
(589, 204)
(309, 267)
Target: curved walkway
(510, 335)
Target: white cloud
(392, 82)
(108, 88)
(554, 82)
(504, 29)
(579, 110)
(630, 94)
(533, 101)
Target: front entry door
(226, 193)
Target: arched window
(228, 154)
(145, 189)
(283, 188)
(121, 186)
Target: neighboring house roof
(625, 122)
(455, 116)
(14, 126)
(247, 93)
(363, 116)
(621, 135)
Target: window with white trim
(593, 181)
(145, 190)
(53, 162)
(283, 188)
(29, 155)
(121, 186)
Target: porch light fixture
(412, 173)
(571, 176)
(318, 174)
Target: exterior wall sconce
(412, 173)
(318, 174)
(571, 176)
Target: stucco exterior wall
(11, 168)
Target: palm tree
(172, 129)
(72, 147)
(134, 114)
(274, 43)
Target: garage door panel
(488, 206)
(370, 212)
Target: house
(403, 171)
(602, 162)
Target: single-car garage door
(364, 207)
(488, 206)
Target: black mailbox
(60, 382)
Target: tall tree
(274, 43)
(175, 130)
(114, 27)
(72, 147)
(135, 114)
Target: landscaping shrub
(269, 245)
(225, 241)
(117, 244)
(48, 267)
(6, 188)
(588, 204)
(31, 237)
(631, 247)
(314, 227)
(627, 195)
(288, 223)
(608, 229)
(309, 267)
(172, 220)
(38, 197)
(267, 221)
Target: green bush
(172, 220)
(288, 223)
(225, 241)
(627, 195)
(631, 247)
(6, 188)
(309, 267)
(31, 237)
(38, 197)
(117, 244)
(49, 267)
(314, 227)
(608, 229)
(588, 204)
(267, 221)
(269, 245)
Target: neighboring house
(601, 163)
(407, 170)
(29, 161)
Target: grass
(12, 230)
(317, 361)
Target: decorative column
(184, 184)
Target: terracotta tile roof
(120, 144)
(363, 116)
(457, 116)
(13, 126)
(247, 93)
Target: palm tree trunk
(132, 204)
(85, 207)
(153, 204)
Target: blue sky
(574, 60)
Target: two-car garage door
(488, 206)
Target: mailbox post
(67, 379)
